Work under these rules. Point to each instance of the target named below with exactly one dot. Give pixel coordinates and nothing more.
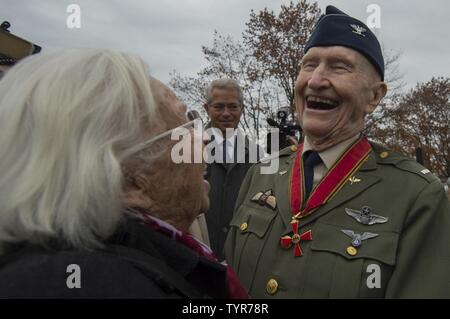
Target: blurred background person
(225, 106)
(91, 204)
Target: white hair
(66, 119)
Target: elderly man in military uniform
(343, 217)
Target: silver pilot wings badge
(357, 239)
(365, 216)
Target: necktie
(311, 159)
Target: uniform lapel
(282, 186)
(239, 156)
(367, 176)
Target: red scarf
(332, 182)
(235, 288)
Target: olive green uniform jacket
(410, 257)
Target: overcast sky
(169, 34)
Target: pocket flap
(253, 220)
(330, 238)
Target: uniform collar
(331, 154)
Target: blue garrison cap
(337, 28)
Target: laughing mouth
(320, 103)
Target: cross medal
(287, 241)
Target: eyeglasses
(195, 118)
(219, 107)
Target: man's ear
(379, 90)
(205, 106)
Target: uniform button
(294, 148)
(225, 229)
(272, 286)
(352, 251)
(244, 226)
(384, 154)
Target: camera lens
(281, 114)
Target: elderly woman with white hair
(91, 204)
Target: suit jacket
(225, 180)
(410, 257)
(137, 262)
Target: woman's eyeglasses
(194, 118)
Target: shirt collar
(219, 138)
(331, 155)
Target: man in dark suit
(233, 154)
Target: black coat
(137, 262)
(225, 181)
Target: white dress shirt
(218, 138)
